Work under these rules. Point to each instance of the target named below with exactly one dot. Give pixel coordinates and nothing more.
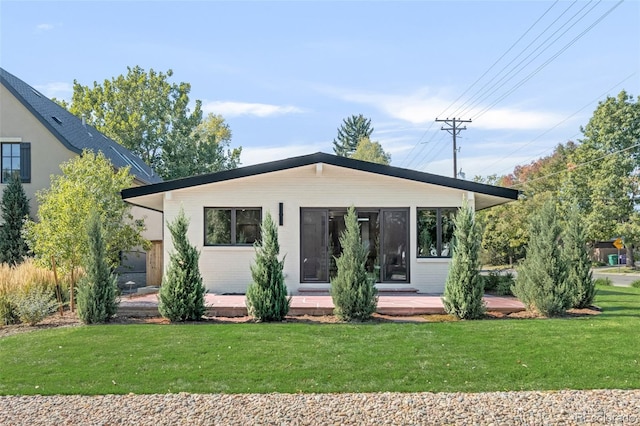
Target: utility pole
(454, 130)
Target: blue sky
(285, 74)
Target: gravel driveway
(598, 407)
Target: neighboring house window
(435, 231)
(15, 161)
(231, 226)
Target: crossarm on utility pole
(454, 130)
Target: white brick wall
(226, 269)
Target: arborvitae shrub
(14, 208)
(576, 255)
(352, 289)
(267, 295)
(181, 296)
(464, 288)
(97, 294)
(542, 277)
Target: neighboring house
(37, 135)
(405, 215)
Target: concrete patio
(316, 305)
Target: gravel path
(599, 407)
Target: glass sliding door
(394, 247)
(383, 232)
(315, 250)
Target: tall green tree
(352, 289)
(150, 116)
(350, 132)
(463, 288)
(98, 288)
(15, 210)
(204, 150)
(267, 295)
(506, 234)
(87, 183)
(576, 256)
(542, 277)
(181, 296)
(604, 176)
(371, 152)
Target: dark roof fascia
(39, 116)
(320, 157)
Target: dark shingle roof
(72, 132)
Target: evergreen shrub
(352, 289)
(14, 210)
(464, 288)
(97, 294)
(542, 276)
(576, 256)
(181, 296)
(267, 295)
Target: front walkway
(234, 306)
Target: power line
(500, 58)
(479, 95)
(537, 70)
(561, 122)
(412, 159)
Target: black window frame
(325, 242)
(439, 233)
(24, 172)
(233, 224)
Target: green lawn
(470, 356)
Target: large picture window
(231, 226)
(435, 231)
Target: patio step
(324, 291)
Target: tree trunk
(630, 260)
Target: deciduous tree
(371, 152)
(150, 116)
(87, 183)
(604, 181)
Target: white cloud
(234, 109)
(44, 27)
(424, 105)
(56, 89)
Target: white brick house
(405, 219)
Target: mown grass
(470, 356)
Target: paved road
(624, 280)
